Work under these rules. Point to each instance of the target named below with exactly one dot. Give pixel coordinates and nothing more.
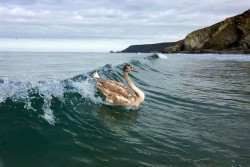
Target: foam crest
(14, 90)
(48, 113)
(87, 89)
(240, 58)
(25, 91)
(50, 89)
(157, 56)
(161, 56)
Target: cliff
(229, 36)
(147, 48)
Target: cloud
(145, 21)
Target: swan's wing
(116, 92)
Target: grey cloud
(166, 20)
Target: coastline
(230, 36)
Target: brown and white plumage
(118, 94)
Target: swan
(118, 94)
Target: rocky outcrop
(147, 48)
(229, 36)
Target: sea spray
(156, 56)
(46, 89)
(162, 56)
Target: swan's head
(128, 68)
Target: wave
(217, 57)
(40, 95)
(157, 56)
(240, 58)
(32, 92)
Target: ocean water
(196, 111)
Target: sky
(105, 25)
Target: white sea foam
(48, 113)
(20, 91)
(87, 89)
(233, 57)
(15, 90)
(219, 57)
(47, 89)
(162, 56)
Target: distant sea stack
(229, 36)
(147, 48)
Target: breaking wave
(46, 92)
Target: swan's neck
(138, 92)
